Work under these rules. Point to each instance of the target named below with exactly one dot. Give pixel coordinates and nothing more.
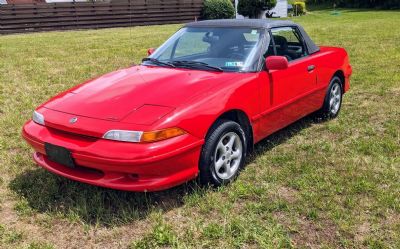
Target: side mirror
(276, 63)
(150, 51)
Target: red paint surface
(146, 98)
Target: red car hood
(115, 95)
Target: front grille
(71, 135)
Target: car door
(289, 89)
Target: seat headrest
(281, 41)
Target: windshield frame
(256, 62)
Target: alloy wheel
(228, 155)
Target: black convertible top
(245, 23)
(256, 23)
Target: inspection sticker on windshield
(234, 64)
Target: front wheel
(223, 153)
(333, 100)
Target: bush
(218, 9)
(252, 8)
(299, 8)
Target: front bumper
(119, 165)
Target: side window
(288, 43)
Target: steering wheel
(236, 55)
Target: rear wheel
(333, 100)
(223, 153)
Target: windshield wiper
(196, 64)
(158, 62)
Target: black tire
(329, 111)
(222, 129)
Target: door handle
(310, 68)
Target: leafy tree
(218, 9)
(252, 8)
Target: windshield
(205, 48)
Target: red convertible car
(193, 108)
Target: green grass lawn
(320, 185)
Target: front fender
(197, 115)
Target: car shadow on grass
(44, 192)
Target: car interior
(224, 48)
(237, 48)
(287, 43)
(229, 49)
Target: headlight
(125, 136)
(38, 118)
(143, 136)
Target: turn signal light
(153, 136)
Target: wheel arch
(243, 120)
(339, 73)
